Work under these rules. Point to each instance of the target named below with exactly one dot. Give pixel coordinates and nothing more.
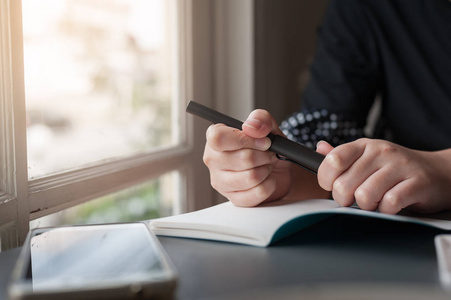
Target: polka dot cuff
(310, 126)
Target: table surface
(339, 258)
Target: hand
(240, 167)
(381, 175)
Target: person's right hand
(240, 167)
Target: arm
(374, 173)
(345, 77)
(346, 73)
(246, 174)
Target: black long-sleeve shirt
(398, 49)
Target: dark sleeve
(344, 78)
(345, 74)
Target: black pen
(284, 148)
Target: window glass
(99, 80)
(149, 200)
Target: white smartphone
(108, 261)
(443, 250)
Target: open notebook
(265, 224)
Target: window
(92, 104)
(100, 80)
(148, 200)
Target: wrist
(305, 185)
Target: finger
(230, 181)
(323, 147)
(398, 197)
(260, 123)
(223, 138)
(237, 160)
(338, 161)
(253, 196)
(369, 194)
(347, 184)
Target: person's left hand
(381, 175)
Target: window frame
(22, 200)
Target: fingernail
(263, 143)
(253, 123)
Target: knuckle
(392, 201)
(243, 141)
(220, 138)
(340, 186)
(214, 138)
(261, 193)
(393, 152)
(256, 176)
(264, 190)
(247, 157)
(391, 198)
(387, 148)
(211, 131)
(334, 161)
(363, 193)
(214, 183)
(206, 158)
(363, 142)
(378, 147)
(253, 177)
(364, 197)
(342, 193)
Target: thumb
(323, 147)
(259, 124)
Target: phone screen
(92, 256)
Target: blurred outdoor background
(100, 83)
